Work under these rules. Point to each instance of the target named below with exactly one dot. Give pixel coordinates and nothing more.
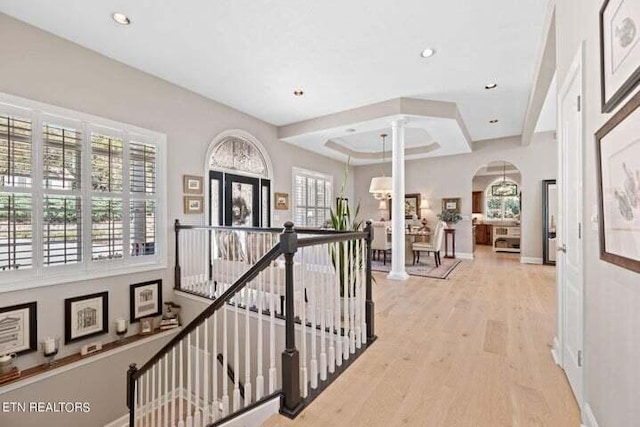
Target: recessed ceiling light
(121, 18)
(427, 53)
(298, 92)
(351, 130)
(491, 86)
(494, 121)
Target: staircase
(289, 311)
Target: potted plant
(449, 216)
(343, 219)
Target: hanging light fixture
(505, 188)
(380, 186)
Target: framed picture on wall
(85, 316)
(452, 204)
(145, 299)
(618, 162)
(192, 184)
(411, 206)
(619, 50)
(18, 329)
(282, 201)
(193, 204)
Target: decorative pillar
(397, 197)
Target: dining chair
(435, 246)
(380, 240)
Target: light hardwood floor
(473, 350)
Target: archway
(496, 209)
(239, 181)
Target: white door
(570, 284)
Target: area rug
(423, 268)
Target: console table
(449, 233)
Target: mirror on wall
(550, 218)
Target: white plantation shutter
(16, 231)
(15, 152)
(312, 198)
(16, 225)
(142, 207)
(62, 201)
(76, 193)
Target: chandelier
(505, 188)
(380, 186)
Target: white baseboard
(464, 255)
(530, 260)
(588, 419)
(554, 351)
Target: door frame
(575, 71)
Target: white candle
(49, 345)
(121, 325)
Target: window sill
(29, 282)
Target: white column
(397, 221)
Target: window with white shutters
(79, 195)
(312, 198)
(142, 214)
(16, 225)
(62, 201)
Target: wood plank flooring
(470, 351)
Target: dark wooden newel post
(131, 393)
(369, 306)
(176, 270)
(290, 355)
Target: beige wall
(39, 66)
(612, 294)
(452, 176)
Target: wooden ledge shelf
(43, 371)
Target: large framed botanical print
(619, 50)
(618, 152)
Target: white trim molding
(464, 255)
(530, 260)
(555, 351)
(588, 419)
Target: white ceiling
(251, 54)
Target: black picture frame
(619, 94)
(606, 203)
(135, 314)
(32, 345)
(71, 306)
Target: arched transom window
(237, 154)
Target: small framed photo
(192, 184)
(193, 204)
(86, 316)
(18, 329)
(282, 201)
(451, 204)
(618, 163)
(619, 51)
(146, 325)
(145, 300)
